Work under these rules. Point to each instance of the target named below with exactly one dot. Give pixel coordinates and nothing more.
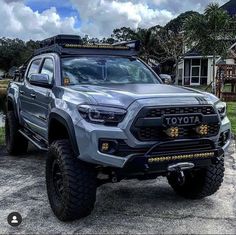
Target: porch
(195, 71)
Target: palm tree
(210, 33)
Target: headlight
(101, 114)
(221, 108)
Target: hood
(125, 95)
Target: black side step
(40, 144)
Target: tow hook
(179, 168)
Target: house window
(196, 62)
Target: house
(194, 69)
(230, 7)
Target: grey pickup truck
(104, 116)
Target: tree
(210, 33)
(14, 52)
(146, 36)
(169, 40)
(123, 34)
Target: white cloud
(18, 20)
(100, 17)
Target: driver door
(42, 99)
(26, 95)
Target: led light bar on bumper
(101, 114)
(190, 156)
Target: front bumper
(88, 136)
(155, 161)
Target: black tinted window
(34, 68)
(48, 68)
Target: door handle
(33, 95)
(22, 92)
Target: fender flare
(65, 119)
(10, 98)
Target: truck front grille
(158, 112)
(149, 125)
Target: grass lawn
(2, 136)
(231, 109)
(3, 86)
(3, 90)
(227, 88)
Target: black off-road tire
(201, 183)
(71, 184)
(16, 144)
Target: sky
(39, 19)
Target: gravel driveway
(126, 207)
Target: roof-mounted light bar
(96, 46)
(73, 44)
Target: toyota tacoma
(104, 116)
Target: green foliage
(177, 25)
(210, 33)
(231, 112)
(123, 34)
(2, 135)
(15, 51)
(162, 43)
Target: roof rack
(73, 45)
(135, 44)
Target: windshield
(105, 70)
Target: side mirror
(40, 80)
(166, 79)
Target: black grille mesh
(158, 132)
(158, 112)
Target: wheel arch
(59, 119)
(11, 104)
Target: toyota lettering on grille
(182, 120)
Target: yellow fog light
(173, 132)
(105, 147)
(202, 129)
(108, 146)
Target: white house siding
(230, 61)
(1, 72)
(210, 71)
